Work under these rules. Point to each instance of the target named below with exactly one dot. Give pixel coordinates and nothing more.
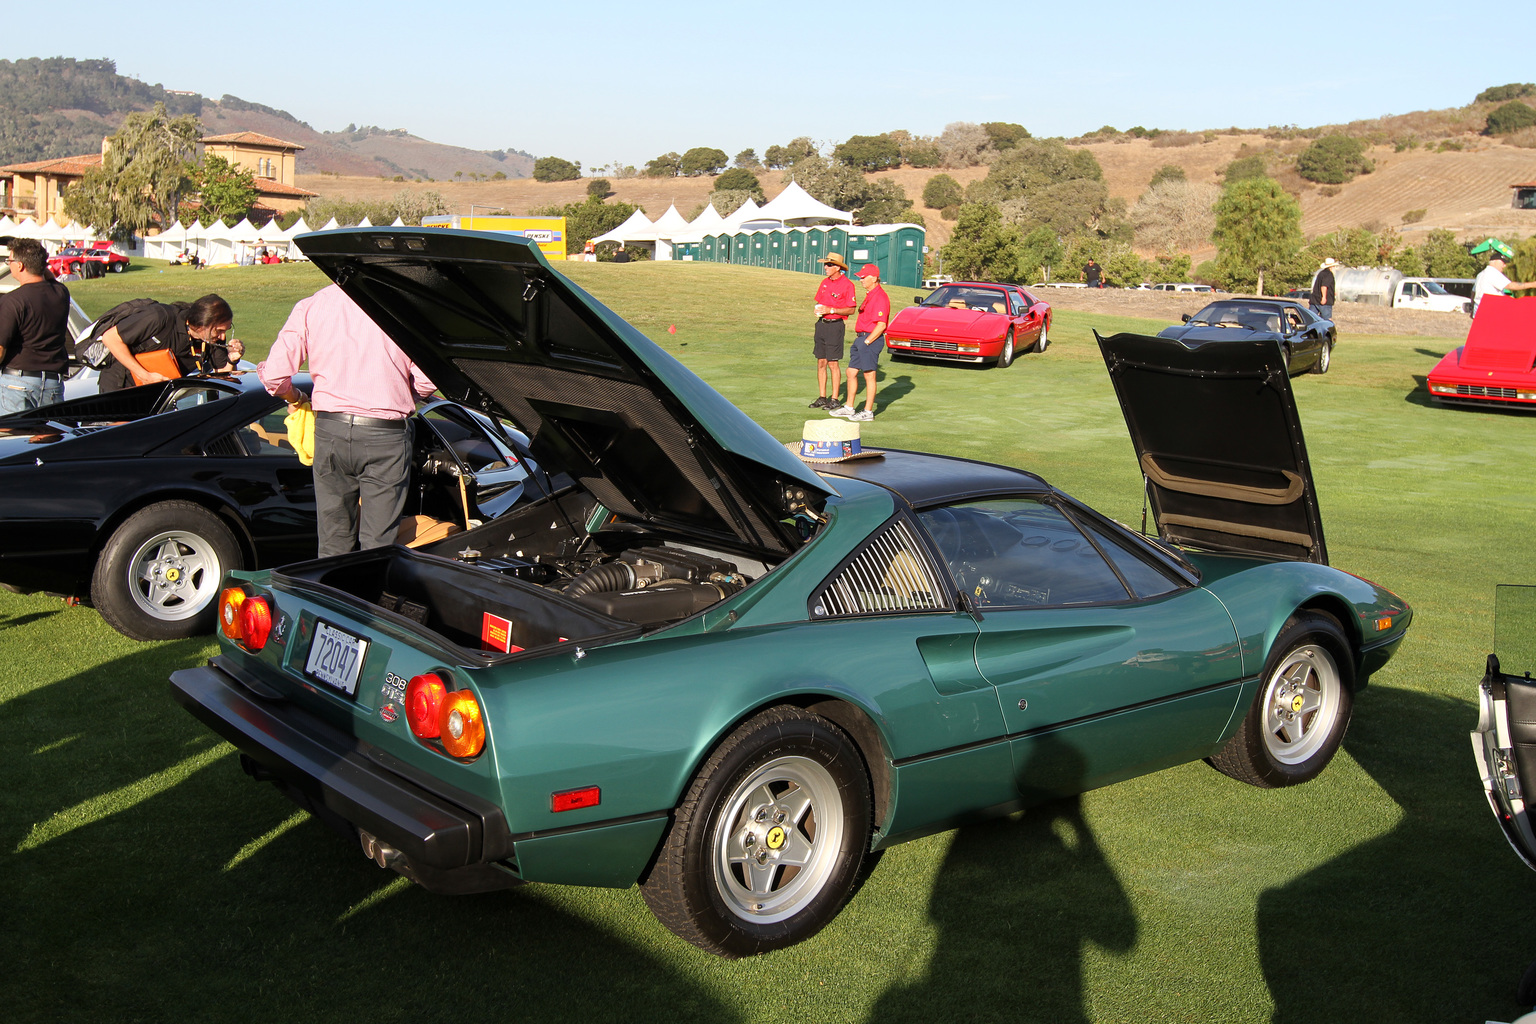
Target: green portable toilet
(707, 249)
(741, 248)
(906, 258)
(815, 249)
(778, 249)
(686, 251)
(837, 241)
(794, 258)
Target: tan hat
(831, 440)
(1330, 262)
(837, 259)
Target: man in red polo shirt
(868, 340)
(835, 299)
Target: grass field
(143, 878)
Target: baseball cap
(869, 270)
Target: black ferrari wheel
(1043, 340)
(1297, 721)
(767, 843)
(1005, 357)
(158, 576)
(1324, 357)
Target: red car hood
(927, 321)
(1501, 344)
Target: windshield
(1434, 288)
(1514, 628)
(1249, 316)
(954, 296)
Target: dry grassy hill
(1466, 192)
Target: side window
(267, 434)
(1143, 579)
(1019, 552)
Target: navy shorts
(865, 355)
(829, 339)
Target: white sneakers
(847, 413)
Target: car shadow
(1014, 903)
(1431, 353)
(1420, 393)
(145, 877)
(28, 617)
(1397, 925)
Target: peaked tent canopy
(795, 206)
(637, 229)
(670, 223)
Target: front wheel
(1005, 357)
(118, 268)
(1324, 357)
(1043, 340)
(158, 576)
(767, 843)
(1297, 721)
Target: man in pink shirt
(364, 392)
(868, 340)
(835, 299)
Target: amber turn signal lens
(463, 734)
(424, 697)
(255, 623)
(229, 611)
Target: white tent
(707, 223)
(637, 229)
(330, 225)
(743, 213)
(365, 223)
(796, 206)
(167, 243)
(397, 223)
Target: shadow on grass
(1015, 901)
(1428, 922)
(29, 617)
(1431, 353)
(145, 878)
(891, 390)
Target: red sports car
(1495, 366)
(971, 322)
(70, 258)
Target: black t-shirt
(1324, 279)
(34, 327)
(1093, 272)
(163, 325)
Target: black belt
(361, 421)
(39, 374)
(833, 319)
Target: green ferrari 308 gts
(693, 661)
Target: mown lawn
(144, 878)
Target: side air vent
(890, 573)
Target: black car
(138, 501)
(1306, 340)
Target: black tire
(1298, 718)
(1005, 357)
(1525, 992)
(118, 268)
(783, 767)
(1044, 339)
(158, 576)
(1324, 358)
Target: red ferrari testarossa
(1497, 365)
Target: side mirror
(918, 298)
(1186, 318)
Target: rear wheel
(1297, 721)
(766, 846)
(158, 576)
(1005, 357)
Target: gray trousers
(353, 464)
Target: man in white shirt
(1491, 280)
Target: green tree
(868, 152)
(599, 187)
(1251, 166)
(1258, 229)
(942, 191)
(1167, 172)
(587, 219)
(1445, 257)
(1334, 160)
(224, 190)
(877, 201)
(702, 160)
(1004, 135)
(1512, 91)
(728, 201)
(1409, 262)
(788, 155)
(739, 179)
(1040, 254)
(1511, 117)
(747, 160)
(884, 201)
(982, 247)
(553, 168)
(142, 177)
(668, 165)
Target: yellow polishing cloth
(300, 422)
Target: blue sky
(598, 81)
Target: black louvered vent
(891, 574)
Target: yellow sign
(548, 232)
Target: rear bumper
(433, 827)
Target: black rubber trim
(433, 824)
(589, 826)
(1055, 726)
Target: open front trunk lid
(1504, 743)
(497, 329)
(1220, 444)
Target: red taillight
(574, 799)
(255, 622)
(424, 705)
(229, 611)
(463, 734)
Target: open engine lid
(496, 328)
(1219, 443)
